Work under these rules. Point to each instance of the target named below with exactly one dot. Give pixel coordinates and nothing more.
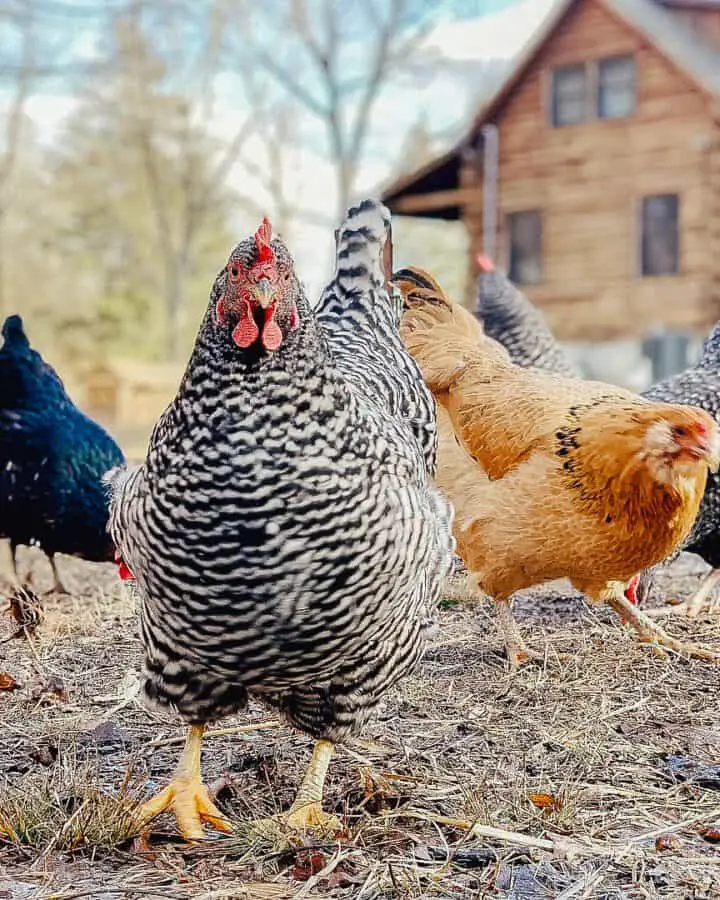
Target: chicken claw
(651, 633)
(703, 601)
(306, 812)
(186, 796)
(7, 831)
(518, 652)
(309, 816)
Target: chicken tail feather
(115, 478)
(364, 251)
(443, 337)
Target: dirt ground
(600, 767)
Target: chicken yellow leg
(516, 649)
(306, 812)
(650, 632)
(702, 602)
(7, 831)
(186, 795)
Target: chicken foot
(516, 649)
(306, 811)
(186, 795)
(704, 600)
(650, 632)
(14, 577)
(7, 831)
(58, 585)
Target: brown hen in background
(553, 477)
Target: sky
(467, 34)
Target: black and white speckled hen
(282, 533)
(513, 321)
(52, 460)
(356, 329)
(697, 386)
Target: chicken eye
(679, 431)
(234, 272)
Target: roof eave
(489, 107)
(400, 185)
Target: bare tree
(276, 170)
(351, 51)
(180, 204)
(178, 229)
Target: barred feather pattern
(700, 386)
(282, 532)
(512, 320)
(360, 313)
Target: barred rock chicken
(282, 533)
(513, 321)
(700, 386)
(554, 477)
(52, 460)
(352, 333)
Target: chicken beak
(264, 292)
(710, 448)
(714, 453)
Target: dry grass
(572, 759)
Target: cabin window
(616, 87)
(660, 235)
(525, 241)
(569, 95)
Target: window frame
(511, 267)
(643, 270)
(606, 60)
(553, 106)
(592, 78)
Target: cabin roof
(698, 59)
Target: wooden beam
(418, 203)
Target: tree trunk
(345, 184)
(175, 306)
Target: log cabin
(592, 174)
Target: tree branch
(288, 81)
(377, 75)
(162, 220)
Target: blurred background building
(592, 173)
(573, 140)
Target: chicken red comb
(262, 241)
(485, 263)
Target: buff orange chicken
(553, 477)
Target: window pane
(660, 249)
(525, 237)
(569, 95)
(616, 87)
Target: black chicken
(52, 460)
(283, 534)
